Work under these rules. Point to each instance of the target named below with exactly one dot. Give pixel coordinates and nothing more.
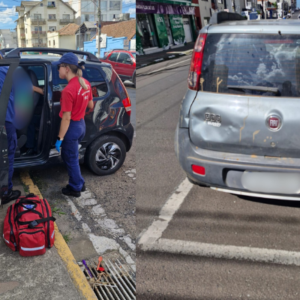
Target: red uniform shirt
(75, 99)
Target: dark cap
(69, 58)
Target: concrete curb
(64, 251)
(171, 55)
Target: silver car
(239, 125)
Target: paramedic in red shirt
(75, 98)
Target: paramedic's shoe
(11, 196)
(82, 190)
(68, 191)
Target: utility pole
(99, 27)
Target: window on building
(124, 58)
(103, 18)
(86, 18)
(51, 3)
(52, 28)
(66, 16)
(52, 17)
(38, 28)
(114, 5)
(87, 6)
(92, 18)
(113, 57)
(37, 16)
(49, 43)
(53, 42)
(41, 4)
(104, 5)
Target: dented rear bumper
(227, 171)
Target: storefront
(165, 24)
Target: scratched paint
(255, 133)
(244, 124)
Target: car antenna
(279, 32)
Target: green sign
(177, 29)
(161, 30)
(139, 33)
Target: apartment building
(87, 10)
(36, 18)
(8, 38)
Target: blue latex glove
(58, 145)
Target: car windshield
(241, 60)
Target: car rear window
(252, 64)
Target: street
(216, 245)
(102, 220)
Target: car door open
(4, 98)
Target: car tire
(134, 80)
(105, 155)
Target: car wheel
(105, 155)
(134, 80)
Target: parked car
(298, 16)
(124, 62)
(238, 124)
(109, 133)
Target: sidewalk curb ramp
(64, 251)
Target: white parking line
(226, 252)
(154, 232)
(151, 240)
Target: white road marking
(154, 232)
(150, 239)
(102, 243)
(226, 252)
(168, 66)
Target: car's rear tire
(105, 155)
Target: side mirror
(128, 60)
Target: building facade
(87, 10)
(8, 39)
(164, 24)
(36, 18)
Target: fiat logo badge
(273, 122)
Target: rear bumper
(224, 171)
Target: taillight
(127, 104)
(198, 170)
(196, 63)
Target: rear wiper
(253, 88)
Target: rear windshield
(242, 63)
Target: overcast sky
(8, 12)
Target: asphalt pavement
(202, 244)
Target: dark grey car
(239, 123)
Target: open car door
(4, 98)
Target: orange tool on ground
(99, 268)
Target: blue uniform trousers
(12, 145)
(70, 155)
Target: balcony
(22, 35)
(38, 22)
(66, 21)
(51, 6)
(39, 45)
(38, 33)
(52, 19)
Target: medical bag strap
(19, 215)
(34, 223)
(7, 86)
